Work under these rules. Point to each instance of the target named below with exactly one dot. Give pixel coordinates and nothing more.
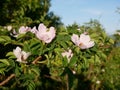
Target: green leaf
(36, 71)
(2, 70)
(111, 41)
(63, 44)
(4, 39)
(65, 61)
(17, 71)
(20, 36)
(97, 59)
(12, 62)
(34, 43)
(31, 85)
(2, 65)
(73, 61)
(5, 61)
(10, 55)
(71, 78)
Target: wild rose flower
(44, 34)
(21, 55)
(14, 33)
(83, 41)
(68, 54)
(9, 28)
(33, 30)
(23, 29)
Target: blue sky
(82, 11)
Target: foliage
(111, 77)
(116, 37)
(27, 12)
(47, 68)
(35, 56)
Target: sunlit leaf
(5, 61)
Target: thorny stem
(53, 78)
(7, 79)
(67, 82)
(90, 71)
(37, 59)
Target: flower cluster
(43, 33)
(47, 35)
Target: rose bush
(47, 58)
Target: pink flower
(44, 34)
(14, 33)
(34, 30)
(83, 41)
(21, 55)
(23, 29)
(68, 54)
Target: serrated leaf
(97, 59)
(34, 44)
(65, 61)
(111, 41)
(20, 36)
(5, 39)
(17, 71)
(2, 39)
(64, 45)
(2, 71)
(73, 61)
(31, 85)
(2, 65)
(10, 55)
(35, 70)
(5, 61)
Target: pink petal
(84, 38)
(75, 38)
(42, 28)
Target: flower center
(81, 44)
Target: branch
(53, 78)
(7, 79)
(37, 59)
(90, 71)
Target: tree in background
(116, 37)
(27, 12)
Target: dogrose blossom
(68, 54)
(83, 41)
(14, 33)
(45, 34)
(9, 28)
(34, 30)
(23, 29)
(21, 55)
